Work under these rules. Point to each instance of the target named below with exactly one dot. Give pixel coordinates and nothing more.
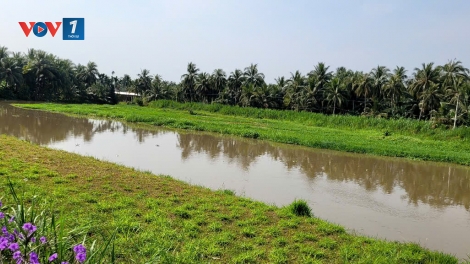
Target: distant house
(126, 96)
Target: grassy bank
(395, 138)
(159, 219)
(409, 126)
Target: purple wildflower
(33, 240)
(79, 249)
(81, 257)
(14, 247)
(11, 219)
(4, 230)
(64, 262)
(2, 215)
(53, 257)
(80, 252)
(43, 240)
(17, 255)
(10, 237)
(29, 227)
(3, 243)
(33, 258)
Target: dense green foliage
(38, 75)
(396, 138)
(439, 93)
(161, 220)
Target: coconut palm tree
(281, 82)
(4, 53)
(247, 95)
(458, 95)
(253, 76)
(160, 89)
(379, 77)
(348, 79)
(263, 97)
(423, 78)
(203, 86)
(309, 97)
(67, 89)
(19, 59)
(42, 70)
(100, 89)
(126, 82)
(454, 77)
(89, 74)
(363, 87)
(31, 54)
(235, 82)
(275, 96)
(143, 82)
(430, 99)
(219, 79)
(296, 85)
(452, 71)
(396, 87)
(334, 93)
(10, 72)
(321, 75)
(154, 92)
(189, 81)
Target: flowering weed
(30, 236)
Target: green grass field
(162, 220)
(396, 138)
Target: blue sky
(280, 36)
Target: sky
(127, 36)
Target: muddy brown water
(395, 199)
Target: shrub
(229, 192)
(300, 208)
(251, 134)
(138, 101)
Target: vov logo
(73, 28)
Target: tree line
(440, 93)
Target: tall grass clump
(402, 125)
(300, 208)
(33, 236)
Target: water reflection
(44, 128)
(434, 184)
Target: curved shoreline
(370, 141)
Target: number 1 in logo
(73, 28)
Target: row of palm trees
(440, 93)
(38, 75)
